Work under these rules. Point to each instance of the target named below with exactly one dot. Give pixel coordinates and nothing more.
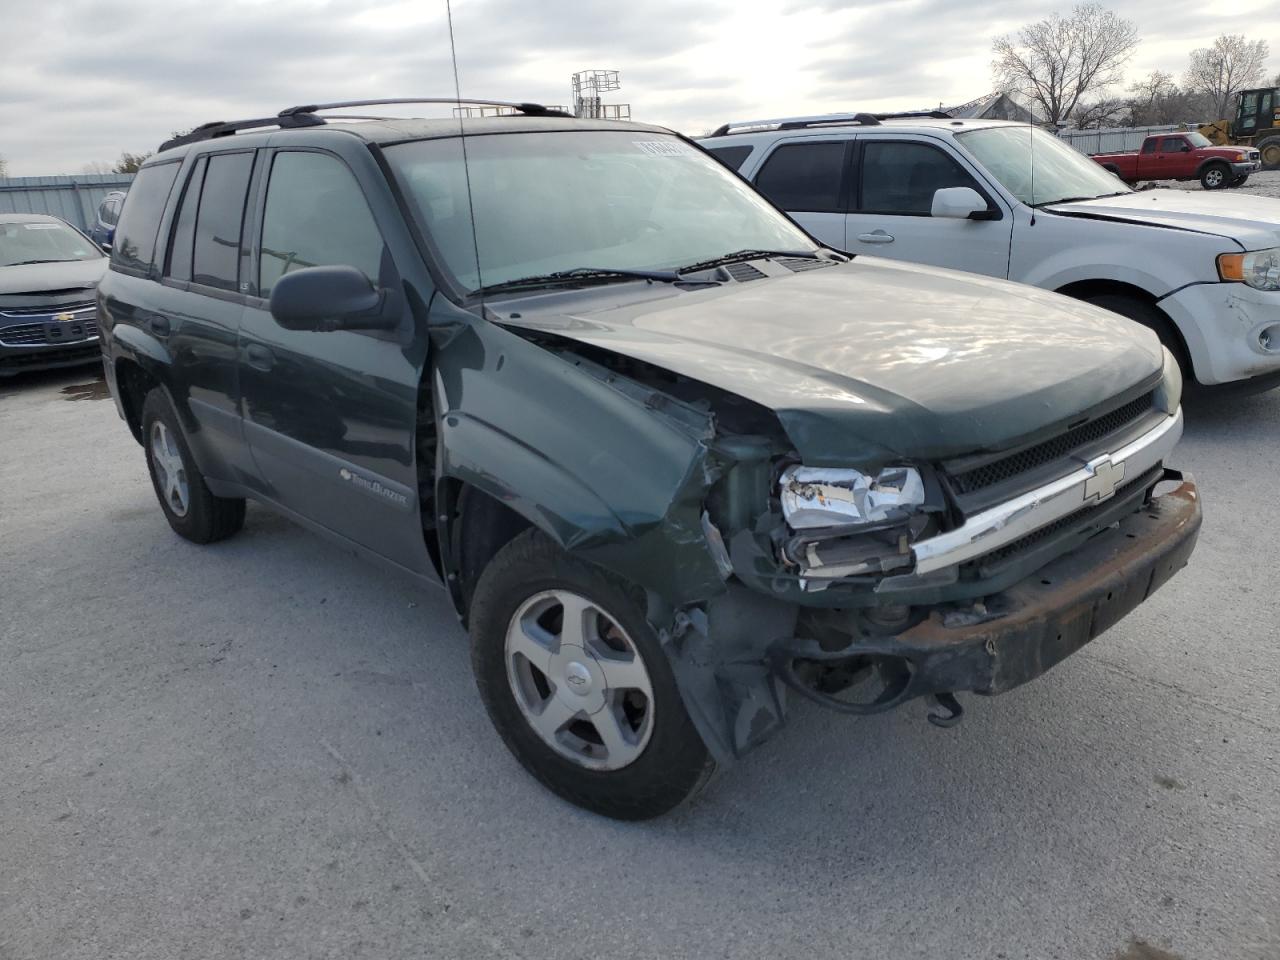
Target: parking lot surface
(268, 748)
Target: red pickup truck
(1184, 156)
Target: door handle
(259, 357)
(878, 237)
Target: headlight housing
(1259, 269)
(845, 522)
(817, 497)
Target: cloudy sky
(99, 78)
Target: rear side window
(316, 216)
(184, 227)
(804, 177)
(1149, 146)
(731, 157)
(215, 260)
(901, 177)
(135, 241)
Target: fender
(614, 479)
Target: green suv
(676, 463)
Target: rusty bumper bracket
(1040, 620)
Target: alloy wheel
(171, 474)
(579, 680)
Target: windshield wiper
(23, 263)
(603, 274)
(739, 255)
(1096, 196)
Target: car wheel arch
(133, 382)
(1090, 289)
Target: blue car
(103, 230)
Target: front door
(891, 210)
(1175, 159)
(330, 416)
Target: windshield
(1061, 173)
(43, 241)
(548, 202)
(1198, 139)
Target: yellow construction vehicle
(1257, 124)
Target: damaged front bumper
(1016, 635)
(735, 684)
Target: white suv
(1202, 269)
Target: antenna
(462, 139)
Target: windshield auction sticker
(660, 148)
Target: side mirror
(960, 203)
(1186, 148)
(324, 299)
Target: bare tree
(1157, 99)
(4, 168)
(1224, 69)
(1102, 112)
(96, 166)
(1058, 61)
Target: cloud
(123, 76)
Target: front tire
(578, 686)
(192, 510)
(1240, 181)
(1215, 176)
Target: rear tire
(192, 510)
(587, 704)
(1215, 176)
(1150, 317)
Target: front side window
(804, 177)
(1173, 145)
(546, 202)
(902, 177)
(1060, 172)
(316, 216)
(43, 241)
(135, 242)
(215, 260)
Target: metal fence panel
(73, 198)
(1115, 139)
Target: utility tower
(587, 87)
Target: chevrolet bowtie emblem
(1105, 477)
(65, 317)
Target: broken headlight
(845, 522)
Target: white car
(1202, 269)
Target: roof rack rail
(927, 114)
(797, 123)
(292, 118)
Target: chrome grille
(34, 332)
(997, 471)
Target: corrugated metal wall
(1115, 139)
(73, 198)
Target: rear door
(330, 416)
(199, 305)
(809, 179)
(892, 201)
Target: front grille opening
(1080, 518)
(997, 471)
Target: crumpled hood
(875, 358)
(1254, 222)
(43, 277)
